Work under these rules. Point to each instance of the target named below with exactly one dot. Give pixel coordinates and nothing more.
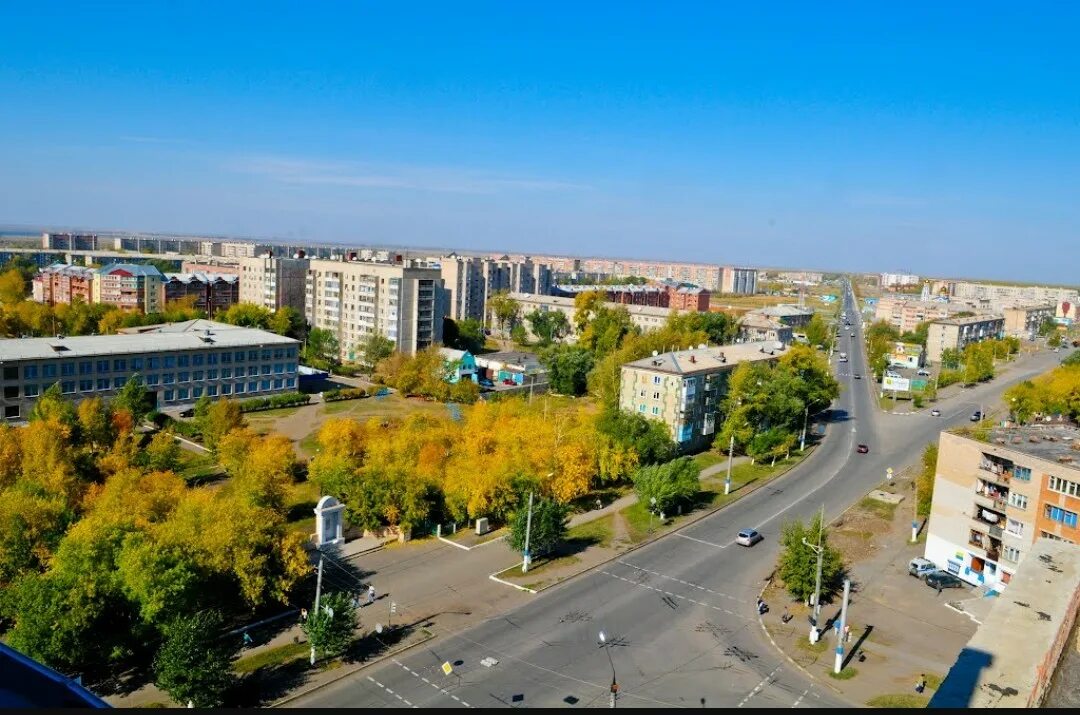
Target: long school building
(179, 362)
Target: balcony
(989, 545)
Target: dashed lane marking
(391, 692)
(672, 595)
(760, 686)
(800, 698)
(416, 675)
(679, 580)
(700, 541)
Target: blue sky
(935, 137)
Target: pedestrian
(247, 639)
(921, 684)
(785, 616)
(847, 633)
(303, 615)
(599, 504)
(371, 594)
(760, 603)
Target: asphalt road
(679, 614)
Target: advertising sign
(897, 384)
(918, 384)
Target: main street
(679, 614)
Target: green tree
(246, 315)
(195, 663)
(133, 397)
(1054, 340)
(288, 321)
(950, 358)
(817, 332)
(650, 439)
(919, 335)
(548, 325)
(669, 484)
(503, 310)
(604, 334)
(330, 629)
(549, 525)
(1047, 327)
(53, 406)
(924, 482)
(467, 334)
(798, 562)
(322, 348)
(719, 328)
(220, 418)
(568, 368)
(374, 349)
(12, 287)
(163, 453)
(519, 335)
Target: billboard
(918, 384)
(897, 384)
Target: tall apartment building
(130, 287)
(1024, 321)
(63, 283)
(1009, 294)
(905, 314)
(210, 292)
(700, 274)
(232, 249)
(958, 333)
(70, 241)
(274, 282)
(739, 281)
(471, 280)
(355, 299)
(898, 280)
(179, 363)
(211, 265)
(685, 389)
(993, 499)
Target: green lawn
(845, 674)
(878, 508)
(902, 700)
(198, 466)
(272, 657)
(536, 568)
(708, 459)
(598, 532)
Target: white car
(935, 412)
(748, 537)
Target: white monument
(329, 522)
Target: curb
(340, 676)
(495, 578)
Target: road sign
(447, 669)
(888, 473)
(393, 607)
(896, 384)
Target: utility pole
(315, 611)
(730, 457)
(915, 512)
(528, 530)
(802, 440)
(841, 631)
(817, 587)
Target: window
(30, 390)
(152, 379)
(279, 353)
(656, 395)
(1063, 486)
(238, 356)
(30, 372)
(153, 363)
(212, 391)
(183, 361)
(169, 395)
(264, 385)
(197, 375)
(253, 386)
(182, 393)
(212, 359)
(1053, 537)
(11, 411)
(290, 368)
(11, 372)
(11, 392)
(102, 365)
(239, 388)
(67, 369)
(1017, 500)
(226, 372)
(1010, 553)
(86, 367)
(137, 364)
(1056, 513)
(119, 365)
(279, 368)
(1014, 527)
(266, 369)
(212, 374)
(641, 408)
(103, 383)
(196, 392)
(168, 378)
(290, 353)
(67, 387)
(253, 370)
(656, 380)
(198, 359)
(226, 358)
(266, 354)
(279, 383)
(170, 361)
(656, 410)
(119, 382)
(1022, 473)
(48, 370)
(226, 389)
(86, 385)
(290, 382)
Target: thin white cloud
(369, 176)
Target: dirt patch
(856, 534)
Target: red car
(862, 449)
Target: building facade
(685, 389)
(905, 314)
(357, 299)
(958, 333)
(790, 315)
(61, 283)
(130, 287)
(179, 363)
(209, 292)
(993, 500)
(645, 317)
(899, 280)
(274, 282)
(70, 241)
(1024, 321)
(211, 265)
(470, 281)
(754, 328)
(740, 281)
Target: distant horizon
(32, 231)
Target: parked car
(923, 373)
(748, 537)
(943, 579)
(862, 449)
(976, 416)
(935, 412)
(484, 382)
(920, 568)
(190, 412)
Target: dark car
(941, 579)
(858, 376)
(187, 413)
(862, 449)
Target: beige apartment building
(994, 499)
(273, 282)
(958, 333)
(757, 328)
(905, 314)
(356, 299)
(738, 281)
(471, 280)
(1024, 321)
(684, 389)
(130, 287)
(1009, 294)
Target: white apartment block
(898, 280)
(273, 282)
(1001, 295)
(470, 281)
(739, 281)
(356, 299)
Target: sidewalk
(900, 628)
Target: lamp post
(802, 440)
(652, 508)
(817, 587)
(614, 686)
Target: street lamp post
(730, 457)
(614, 686)
(802, 440)
(817, 587)
(652, 508)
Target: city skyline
(842, 138)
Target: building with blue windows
(179, 362)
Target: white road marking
(707, 543)
(760, 686)
(391, 692)
(684, 583)
(420, 677)
(800, 698)
(672, 595)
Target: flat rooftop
(1052, 441)
(188, 335)
(707, 359)
(969, 320)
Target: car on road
(976, 416)
(748, 537)
(942, 579)
(862, 449)
(858, 376)
(935, 412)
(920, 568)
(853, 335)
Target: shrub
(273, 402)
(351, 393)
